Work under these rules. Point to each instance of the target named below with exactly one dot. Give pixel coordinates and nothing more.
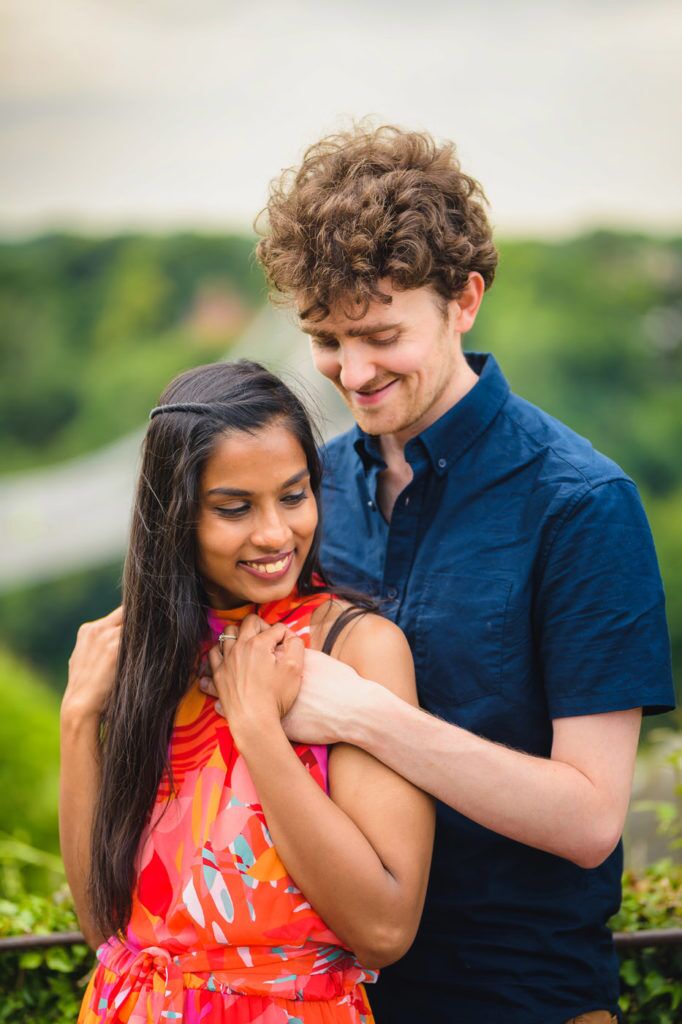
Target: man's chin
(383, 421)
(379, 419)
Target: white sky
(166, 113)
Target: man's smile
(372, 397)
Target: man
(517, 560)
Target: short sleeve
(600, 609)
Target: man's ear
(464, 308)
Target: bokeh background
(138, 142)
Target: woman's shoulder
(373, 645)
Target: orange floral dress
(219, 933)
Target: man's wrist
(369, 715)
(77, 716)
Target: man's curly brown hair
(372, 203)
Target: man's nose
(357, 369)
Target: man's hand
(330, 700)
(92, 666)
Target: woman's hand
(92, 666)
(257, 677)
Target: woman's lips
(373, 397)
(267, 571)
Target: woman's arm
(361, 858)
(91, 673)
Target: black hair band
(200, 407)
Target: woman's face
(257, 517)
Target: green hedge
(46, 986)
(651, 978)
(42, 986)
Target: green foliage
(29, 759)
(651, 978)
(591, 330)
(39, 621)
(668, 813)
(92, 329)
(42, 985)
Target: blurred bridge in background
(75, 515)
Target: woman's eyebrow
(235, 492)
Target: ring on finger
(231, 633)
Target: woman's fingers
(271, 637)
(206, 685)
(292, 650)
(215, 658)
(252, 626)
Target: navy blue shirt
(520, 565)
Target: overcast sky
(167, 113)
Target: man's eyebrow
(235, 492)
(352, 332)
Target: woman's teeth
(265, 568)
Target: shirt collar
(457, 429)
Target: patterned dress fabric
(219, 933)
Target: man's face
(394, 367)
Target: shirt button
(407, 501)
(370, 504)
(392, 593)
(442, 463)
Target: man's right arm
(601, 636)
(571, 804)
(92, 668)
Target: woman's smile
(269, 568)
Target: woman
(228, 875)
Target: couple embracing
(450, 615)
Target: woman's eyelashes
(236, 512)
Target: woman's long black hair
(164, 618)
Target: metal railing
(651, 938)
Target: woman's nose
(271, 532)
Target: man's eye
(295, 499)
(326, 343)
(384, 341)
